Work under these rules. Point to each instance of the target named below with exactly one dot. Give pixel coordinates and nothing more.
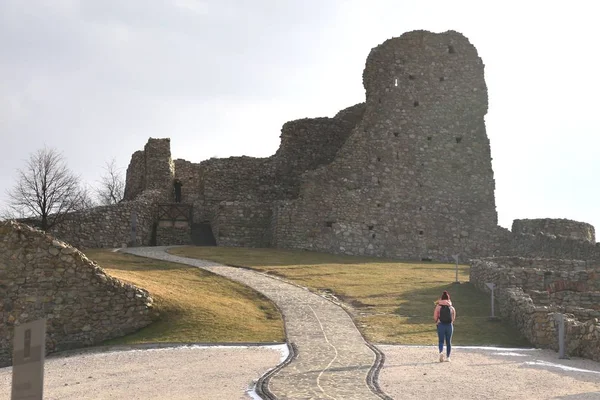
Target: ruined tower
(414, 179)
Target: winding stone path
(331, 360)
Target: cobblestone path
(331, 359)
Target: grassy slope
(194, 305)
(392, 301)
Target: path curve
(331, 359)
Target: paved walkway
(331, 360)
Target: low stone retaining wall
(530, 297)
(110, 226)
(550, 246)
(41, 277)
(536, 274)
(559, 227)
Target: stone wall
(549, 246)
(536, 274)
(243, 224)
(110, 226)
(530, 293)
(305, 145)
(414, 180)
(41, 277)
(177, 233)
(556, 227)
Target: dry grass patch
(194, 305)
(391, 301)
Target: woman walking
(444, 316)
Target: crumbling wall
(151, 169)
(531, 292)
(111, 226)
(190, 175)
(135, 179)
(555, 227)
(549, 246)
(414, 180)
(41, 277)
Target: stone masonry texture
(556, 227)
(414, 180)
(41, 277)
(530, 293)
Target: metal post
(493, 316)
(455, 256)
(492, 286)
(560, 320)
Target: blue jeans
(445, 332)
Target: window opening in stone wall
(373, 236)
(378, 158)
(416, 104)
(451, 49)
(371, 227)
(378, 204)
(458, 139)
(396, 134)
(442, 78)
(421, 232)
(428, 137)
(329, 224)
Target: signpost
(560, 320)
(455, 256)
(29, 350)
(491, 286)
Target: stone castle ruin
(406, 174)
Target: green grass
(391, 301)
(194, 305)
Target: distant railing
(174, 212)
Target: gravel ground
(409, 372)
(191, 372)
(416, 373)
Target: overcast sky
(95, 79)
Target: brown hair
(445, 295)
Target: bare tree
(112, 185)
(86, 200)
(46, 189)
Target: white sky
(95, 79)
